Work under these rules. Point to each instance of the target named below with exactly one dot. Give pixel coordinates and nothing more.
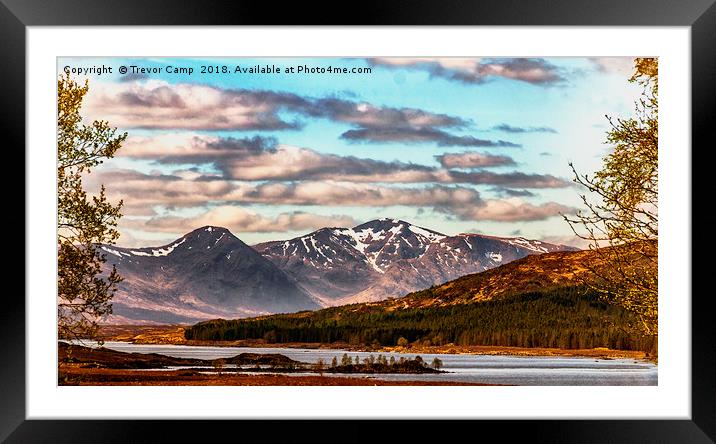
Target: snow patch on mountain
(496, 257)
(525, 243)
(430, 235)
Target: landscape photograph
(357, 221)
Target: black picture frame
(700, 15)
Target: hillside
(537, 301)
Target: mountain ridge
(389, 258)
(209, 272)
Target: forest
(567, 318)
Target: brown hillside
(530, 274)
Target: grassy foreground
(74, 375)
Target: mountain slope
(536, 301)
(205, 274)
(388, 258)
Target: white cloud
(620, 65)
(239, 220)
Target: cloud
(466, 64)
(365, 115)
(128, 238)
(513, 193)
(512, 210)
(172, 192)
(193, 148)
(535, 71)
(144, 191)
(620, 65)
(570, 240)
(472, 159)
(513, 179)
(155, 104)
(133, 77)
(530, 129)
(240, 220)
(419, 135)
(258, 158)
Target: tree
(219, 365)
(334, 362)
(346, 360)
(84, 291)
(622, 213)
(319, 366)
(437, 364)
(402, 342)
(270, 336)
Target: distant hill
(536, 301)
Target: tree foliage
(84, 291)
(622, 206)
(437, 363)
(569, 318)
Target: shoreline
(174, 335)
(80, 365)
(73, 375)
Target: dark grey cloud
(420, 135)
(214, 151)
(529, 129)
(513, 192)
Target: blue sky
(454, 145)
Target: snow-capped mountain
(388, 258)
(208, 273)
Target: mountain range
(387, 258)
(210, 273)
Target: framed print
(436, 213)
